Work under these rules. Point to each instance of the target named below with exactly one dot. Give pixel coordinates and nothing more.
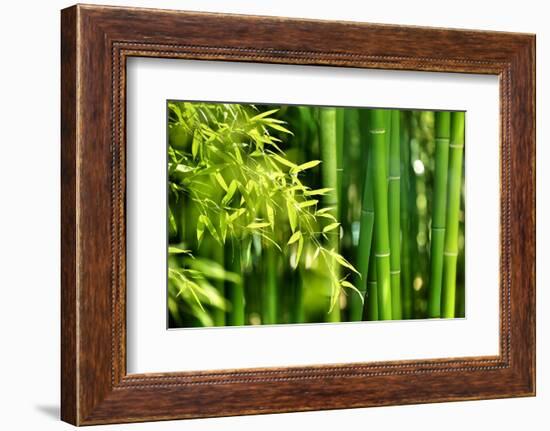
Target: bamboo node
(377, 131)
(450, 253)
(382, 254)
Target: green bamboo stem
(406, 172)
(364, 247)
(236, 315)
(329, 155)
(270, 294)
(370, 312)
(298, 315)
(377, 130)
(442, 137)
(340, 115)
(352, 139)
(394, 185)
(456, 150)
(417, 188)
(218, 256)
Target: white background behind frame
(153, 348)
(34, 400)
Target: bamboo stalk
(352, 140)
(406, 279)
(394, 184)
(456, 150)
(270, 293)
(340, 114)
(329, 155)
(377, 130)
(236, 315)
(297, 297)
(366, 224)
(218, 256)
(442, 137)
(417, 188)
(370, 312)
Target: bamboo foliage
(233, 150)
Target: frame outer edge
(523, 216)
(528, 61)
(69, 197)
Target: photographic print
(282, 214)
(243, 213)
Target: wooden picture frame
(95, 43)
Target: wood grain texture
(69, 397)
(96, 41)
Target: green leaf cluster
(227, 161)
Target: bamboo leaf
(307, 165)
(223, 225)
(230, 192)
(246, 251)
(209, 226)
(315, 254)
(200, 229)
(322, 191)
(284, 161)
(327, 216)
(334, 295)
(220, 180)
(191, 286)
(238, 156)
(269, 240)
(262, 115)
(173, 228)
(270, 214)
(291, 215)
(300, 248)
(330, 227)
(176, 250)
(345, 283)
(310, 203)
(213, 270)
(237, 214)
(258, 225)
(295, 237)
(195, 147)
(324, 210)
(279, 128)
(342, 261)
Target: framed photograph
(266, 215)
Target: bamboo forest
(282, 214)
